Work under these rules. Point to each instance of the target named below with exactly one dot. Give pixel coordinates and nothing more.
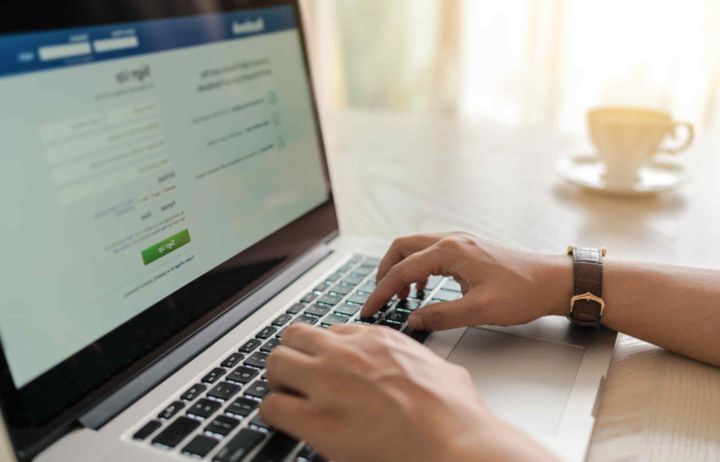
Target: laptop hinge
(111, 406)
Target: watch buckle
(590, 297)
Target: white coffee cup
(627, 138)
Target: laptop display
(137, 158)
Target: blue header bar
(39, 51)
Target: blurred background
(521, 63)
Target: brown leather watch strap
(586, 307)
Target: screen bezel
(58, 401)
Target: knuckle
(399, 242)
(452, 243)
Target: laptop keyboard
(217, 418)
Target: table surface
(401, 174)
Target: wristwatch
(587, 305)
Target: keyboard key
(371, 261)
(204, 408)
(282, 320)
(397, 316)
(306, 318)
(322, 287)
(147, 430)
(332, 319)
(239, 446)
(213, 375)
(452, 285)
(278, 447)
(258, 389)
(334, 277)
(260, 423)
(170, 411)
(242, 407)
(340, 290)
(176, 432)
(355, 259)
(417, 295)
(224, 391)
(296, 308)
(222, 425)
(418, 335)
(347, 267)
(266, 333)
(250, 345)
(317, 310)
(193, 392)
(270, 345)
(443, 295)
(408, 305)
(279, 333)
(233, 360)
(387, 306)
(433, 282)
(308, 454)
(200, 446)
(328, 299)
(357, 298)
(372, 319)
(347, 309)
(352, 280)
(257, 359)
(367, 288)
(392, 324)
(363, 270)
(309, 297)
(242, 375)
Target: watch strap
(586, 307)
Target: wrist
(556, 282)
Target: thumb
(445, 315)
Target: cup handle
(688, 141)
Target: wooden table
(400, 174)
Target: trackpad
(525, 381)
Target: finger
(290, 414)
(420, 286)
(344, 329)
(403, 247)
(306, 339)
(290, 370)
(414, 268)
(445, 315)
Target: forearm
(673, 307)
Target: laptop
(167, 212)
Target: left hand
(369, 393)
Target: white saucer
(587, 171)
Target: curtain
(539, 63)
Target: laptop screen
(137, 157)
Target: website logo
(248, 26)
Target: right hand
(500, 286)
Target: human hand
(500, 286)
(360, 393)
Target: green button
(165, 247)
